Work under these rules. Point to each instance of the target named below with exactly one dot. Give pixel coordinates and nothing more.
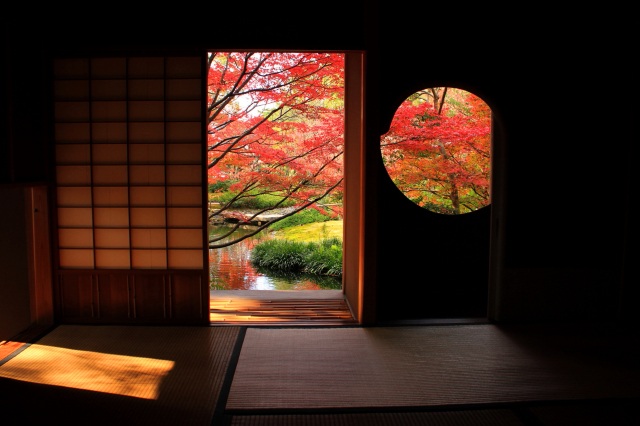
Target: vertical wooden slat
(150, 299)
(186, 299)
(76, 297)
(114, 300)
(40, 282)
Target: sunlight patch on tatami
(93, 371)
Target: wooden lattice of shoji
(129, 161)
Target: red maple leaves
(438, 150)
(276, 125)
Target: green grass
(249, 201)
(311, 232)
(301, 218)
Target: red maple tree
(438, 150)
(276, 127)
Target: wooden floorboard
(258, 308)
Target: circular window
(438, 150)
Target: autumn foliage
(276, 127)
(438, 150)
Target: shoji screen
(129, 149)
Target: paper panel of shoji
(109, 111)
(185, 238)
(148, 217)
(111, 217)
(72, 133)
(185, 259)
(112, 238)
(71, 111)
(110, 196)
(76, 258)
(74, 196)
(146, 67)
(75, 238)
(184, 196)
(146, 175)
(184, 89)
(109, 132)
(73, 153)
(183, 175)
(184, 67)
(76, 217)
(146, 153)
(113, 259)
(73, 175)
(68, 90)
(147, 89)
(148, 238)
(184, 154)
(113, 90)
(110, 175)
(146, 110)
(149, 196)
(129, 137)
(149, 259)
(146, 132)
(108, 68)
(184, 110)
(189, 132)
(109, 153)
(184, 217)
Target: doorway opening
(275, 162)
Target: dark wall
(563, 92)
(24, 149)
(15, 313)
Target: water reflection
(230, 269)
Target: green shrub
(220, 186)
(281, 255)
(321, 258)
(324, 258)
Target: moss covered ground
(312, 231)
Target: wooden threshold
(276, 308)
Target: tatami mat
(448, 375)
(589, 413)
(289, 369)
(119, 375)
(451, 418)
